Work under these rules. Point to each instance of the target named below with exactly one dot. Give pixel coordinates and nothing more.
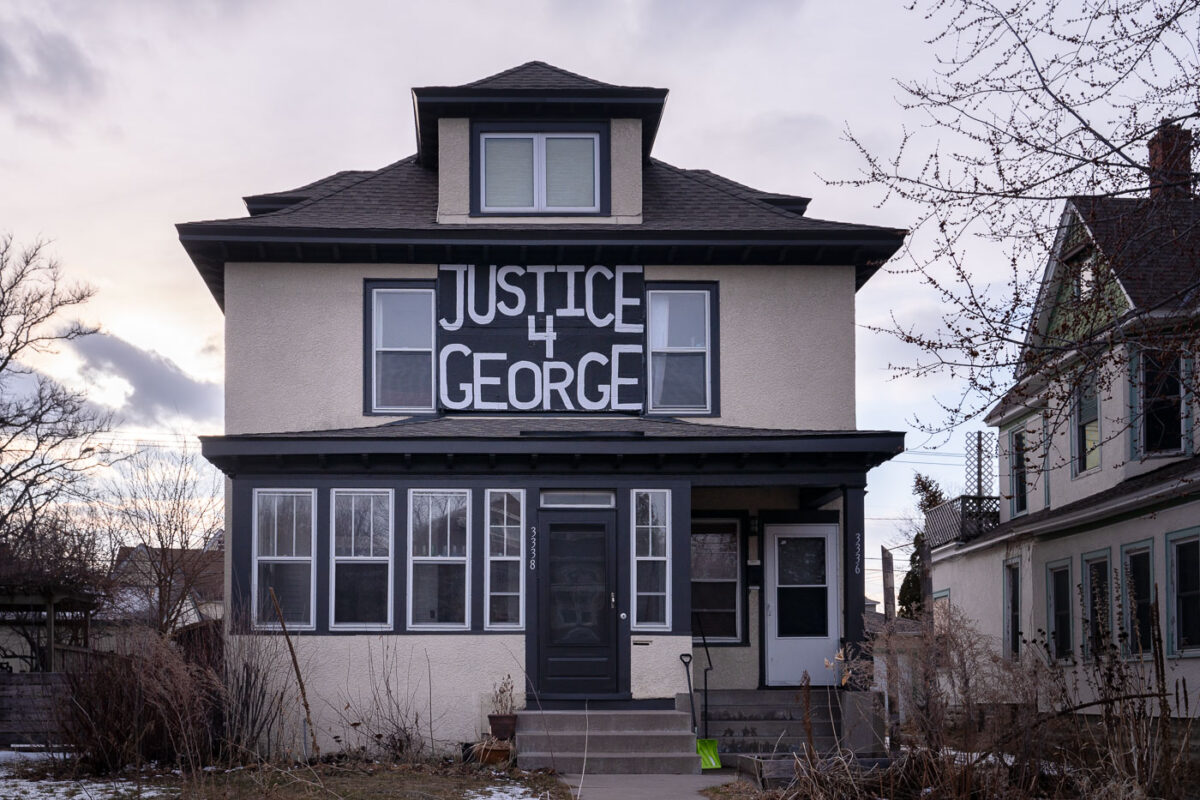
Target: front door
(800, 603)
(577, 627)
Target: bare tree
(163, 508)
(1035, 104)
(51, 438)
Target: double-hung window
(284, 531)
(1162, 403)
(1096, 581)
(526, 172)
(439, 575)
(716, 580)
(361, 573)
(401, 351)
(505, 576)
(1012, 609)
(1138, 580)
(1058, 608)
(651, 559)
(680, 360)
(1184, 551)
(1018, 488)
(1087, 425)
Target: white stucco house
(533, 402)
(1099, 506)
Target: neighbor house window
(1018, 489)
(716, 580)
(361, 573)
(651, 558)
(283, 557)
(505, 576)
(1058, 608)
(526, 172)
(1087, 425)
(438, 567)
(1097, 604)
(1184, 551)
(1162, 403)
(401, 350)
(1012, 609)
(1138, 580)
(680, 350)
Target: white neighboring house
(1099, 507)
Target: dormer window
(549, 170)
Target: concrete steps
(610, 742)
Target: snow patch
(12, 788)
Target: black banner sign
(540, 338)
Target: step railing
(707, 669)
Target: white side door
(800, 603)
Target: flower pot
(503, 725)
(498, 753)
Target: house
(533, 402)
(1098, 517)
(167, 588)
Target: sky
(120, 119)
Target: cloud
(161, 391)
(36, 63)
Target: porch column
(854, 575)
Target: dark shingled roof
(466, 426)
(404, 196)
(1153, 245)
(274, 201)
(539, 75)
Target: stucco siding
(655, 670)
(294, 344)
(787, 344)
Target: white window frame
(539, 172)
(635, 623)
(377, 348)
(737, 604)
(612, 498)
(310, 559)
(465, 559)
(707, 350)
(488, 558)
(335, 559)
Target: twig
(312, 732)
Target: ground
(359, 781)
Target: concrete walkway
(647, 787)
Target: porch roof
(579, 442)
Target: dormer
(537, 144)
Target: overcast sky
(120, 119)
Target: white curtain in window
(570, 172)
(508, 172)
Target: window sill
(1093, 471)
(438, 628)
(267, 628)
(349, 627)
(1160, 455)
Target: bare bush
(384, 717)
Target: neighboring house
(533, 402)
(1099, 507)
(167, 588)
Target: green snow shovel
(705, 748)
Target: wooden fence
(28, 706)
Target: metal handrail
(708, 669)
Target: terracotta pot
(503, 725)
(495, 754)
